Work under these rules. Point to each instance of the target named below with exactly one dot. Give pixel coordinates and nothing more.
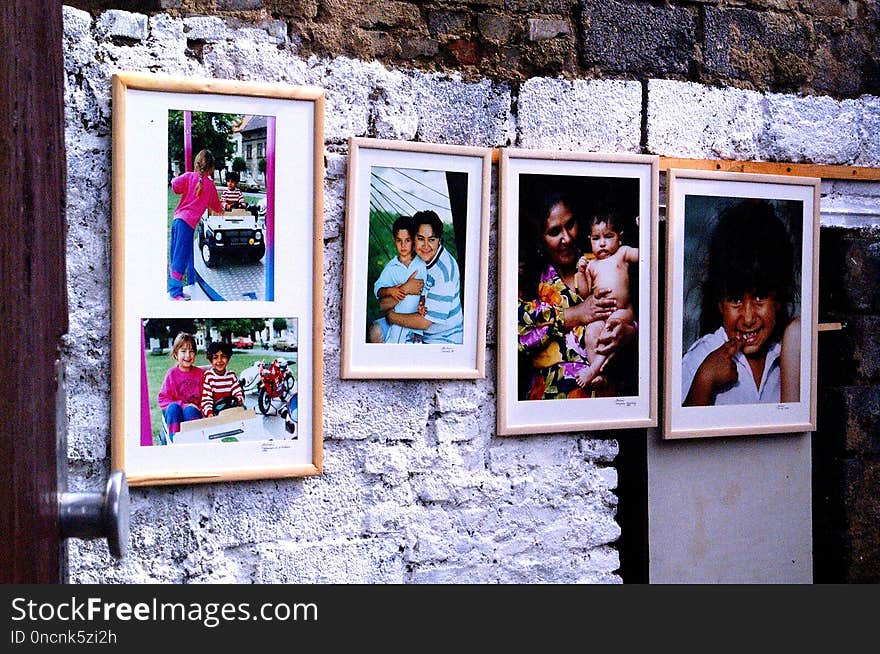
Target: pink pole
(146, 423)
(270, 208)
(187, 141)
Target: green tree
(239, 165)
(261, 166)
(236, 326)
(279, 324)
(210, 131)
(165, 328)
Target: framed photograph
(416, 246)
(216, 279)
(742, 297)
(577, 326)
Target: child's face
(231, 184)
(750, 319)
(185, 356)
(219, 363)
(604, 240)
(404, 244)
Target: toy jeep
(237, 235)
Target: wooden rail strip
(860, 173)
(824, 171)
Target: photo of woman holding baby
(566, 322)
(576, 343)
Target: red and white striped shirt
(215, 387)
(231, 196)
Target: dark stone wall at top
(846, 445)
(829, 47)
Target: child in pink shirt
(181, 391)
(197, 193)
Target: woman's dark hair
(428, 218)
(750, 251)
(218, 346)
(532, 256)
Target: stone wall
(441, 498)
(846, 460)
(819, 46)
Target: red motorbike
(276, 383)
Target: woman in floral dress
(551, 314)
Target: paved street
(228, 281)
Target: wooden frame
(531, 396)
(142, 106)
(697, 322)
(388, 181)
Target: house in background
(250, 143)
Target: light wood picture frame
(420, 211)
(261, 303)
(553, 346)
(742, 283)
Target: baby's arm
(582, 281)
(630, 254)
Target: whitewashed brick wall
(417, 487)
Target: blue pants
(181, 256)
(176, 414)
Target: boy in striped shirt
(232, 197)
(219, 383)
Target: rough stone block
(122, 24)
(348, 561)
(697, 121)
(458, 397)
(379, 15)
(520, 455)
(862, 419)
(863, 332)
(541, 29)
(599, 450)
(840, 60)
(465, 52)
(463, 113)
(869, 131)
(79, 45)
(205, 28)
(292, 8)
(632, 36)
(834, 136)
(454, 427)
(495, 27)
(419, 47)
(239, 5)
(559, 114)
(765, 48)
(240, 57)
(387, 410)
(448, 23)
(540, 6)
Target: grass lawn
(158, 365)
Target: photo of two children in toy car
(215, 372)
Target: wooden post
(34, 289)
